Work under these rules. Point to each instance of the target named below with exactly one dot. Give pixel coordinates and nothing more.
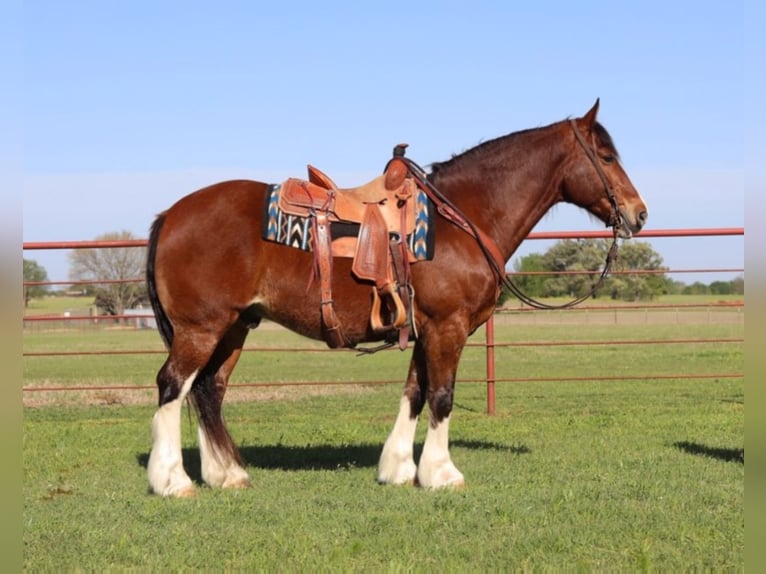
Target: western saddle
(384, 208)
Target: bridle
(615, 219)
(452, 213)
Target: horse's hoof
(408, 482)
(237, 484)
(186, 492)
(448, 477)
(457, 485)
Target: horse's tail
(163, 323)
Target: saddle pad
(295, 231)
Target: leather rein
(491, 252)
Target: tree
(112, 264)
(574, 257)
(738, 285)
(34, 272)
(675, 287)
(721, 288)
(532, 285)
(638, 255)
(575, 266)
(696, 288)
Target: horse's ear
(590, 117)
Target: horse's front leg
(443, 350)
(397, 465)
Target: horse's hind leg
(221, 462)
(188, 356)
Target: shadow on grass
(724, 454)
(482, 445)
(321, 457)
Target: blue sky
(130, 105)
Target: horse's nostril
(642, 217)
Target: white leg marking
(396, 464)
(215, 470)
(436, 469)
(167, 476)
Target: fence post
(491, 365)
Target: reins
(453, 214)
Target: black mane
(479, 149)
(602, 136)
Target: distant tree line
(734, 287)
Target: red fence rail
(648, 233)
(490, 343)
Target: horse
(212, 278)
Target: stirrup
(400, 311)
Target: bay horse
(211, 278)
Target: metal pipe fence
(580, 315)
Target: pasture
(636, 474)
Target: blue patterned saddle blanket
(296, 231)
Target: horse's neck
(508, 189)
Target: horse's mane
(489, 146)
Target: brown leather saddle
(385, 210)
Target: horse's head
(595, 180)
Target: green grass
(50, 304)
(627, 476)
(624, 475)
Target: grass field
(621, 476)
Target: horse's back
(226, 199)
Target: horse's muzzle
(631, 223)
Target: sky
(128, 106)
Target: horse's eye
(608, 158)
